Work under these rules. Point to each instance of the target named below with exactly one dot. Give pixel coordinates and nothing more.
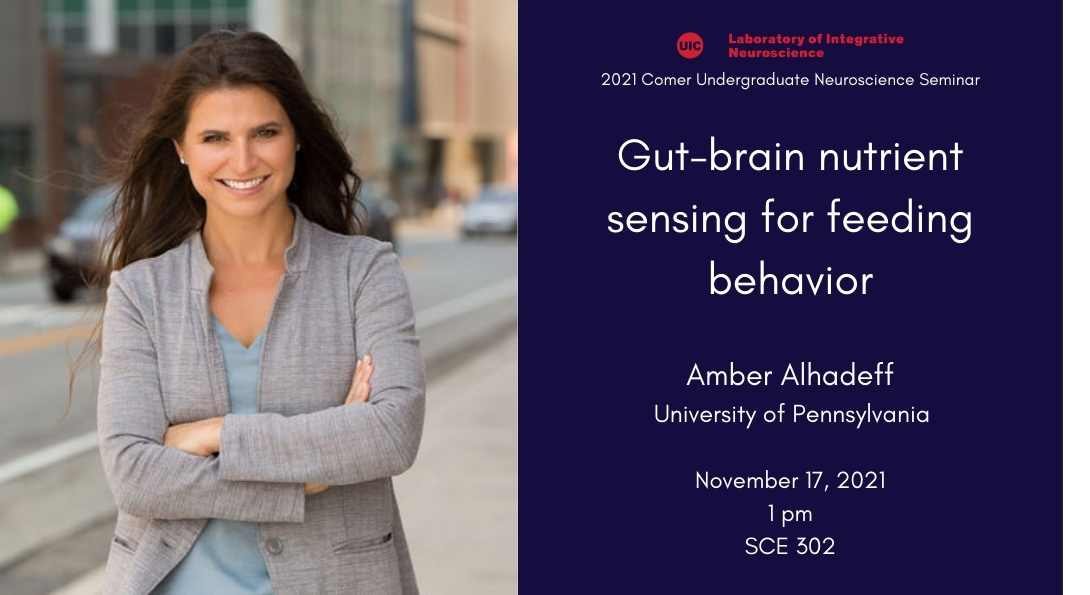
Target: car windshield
(94, 206)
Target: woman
(246, 432)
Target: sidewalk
(458, 500)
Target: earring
(296, 148)
(182, 159)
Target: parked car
(379, 212)
(72, 254)
(496, 210)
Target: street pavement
(458, 500)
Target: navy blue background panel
(612, 324)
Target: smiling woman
(237, 425)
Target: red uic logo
(690, 45)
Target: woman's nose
(244, 160)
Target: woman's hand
(201, 438)
(359, 392)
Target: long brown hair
(157, 207)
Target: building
(351, 55)
(22, 113)
(101, 60)
(427, 100)
(466, 60)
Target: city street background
(423, 94)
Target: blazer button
(274, 546)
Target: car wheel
(63, 293)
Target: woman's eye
(212, 138)
(267, 133)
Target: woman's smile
(245, 187)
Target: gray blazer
(340, 297)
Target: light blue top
(226, 558)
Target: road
(464, 294)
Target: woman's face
(239, 147)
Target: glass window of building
(65, 23)
(163, 27)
